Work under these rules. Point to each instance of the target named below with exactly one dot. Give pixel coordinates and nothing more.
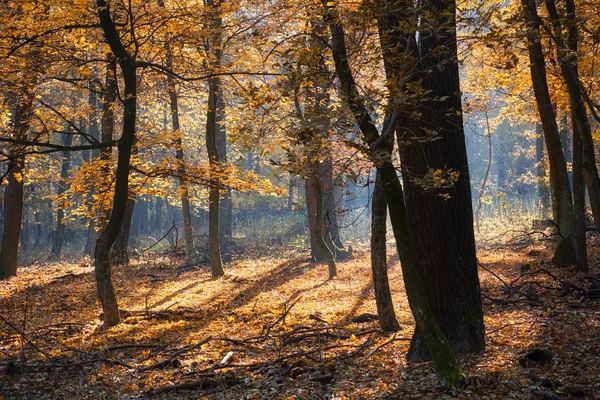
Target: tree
(213, 47)
(59, 233)
(568, 61)
(383, 296)
(434, 164)
(440, 350)
(102, 261)
(13, 194)
(188, 229)
(562, 201)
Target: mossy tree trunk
(437, 344)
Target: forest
(286, 199)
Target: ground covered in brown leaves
(275, 328)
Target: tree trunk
(579, 237)
(13, 194)
(487, 171)
(542, 190)
(291, 185)
(439, 347)
(568, 61)
(59, 235)
(226, 204)
(93, 131)
(216, 263)
(319, 233)
(440, 217)
(188, 229)
(120, 249)
(102, 262)
(383, 296)
(562, 205)
(213, 47)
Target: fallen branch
(171, 359)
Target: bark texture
(383, 296)
(437, 344)
(13, 194)
(434, 164)
(102, 262)
(562, 202)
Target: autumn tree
(562, 201)
(437, 344)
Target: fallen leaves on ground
(275, 328)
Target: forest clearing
(285, 199)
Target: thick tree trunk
(314, 182)
(13, 194)
(102, 262)
(562, 205)
(383, 296)
(59, 236)
(415, 286)
(440, 216)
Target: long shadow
(177, 292)
(299, 292)
(283, 273)
(362, 297)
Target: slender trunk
(38, 229)
(383, 296)
(213, 47)
(579, 237)
(291, 185)
(93, 131)
(108, 128)
(216, 263)
(102, 262)
(59, 235)
(487, 171)
(226, 203)
(188, 229)
(568, 61)
(13, 194)
(542, 190)
(562, 204)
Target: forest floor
(275, 328)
